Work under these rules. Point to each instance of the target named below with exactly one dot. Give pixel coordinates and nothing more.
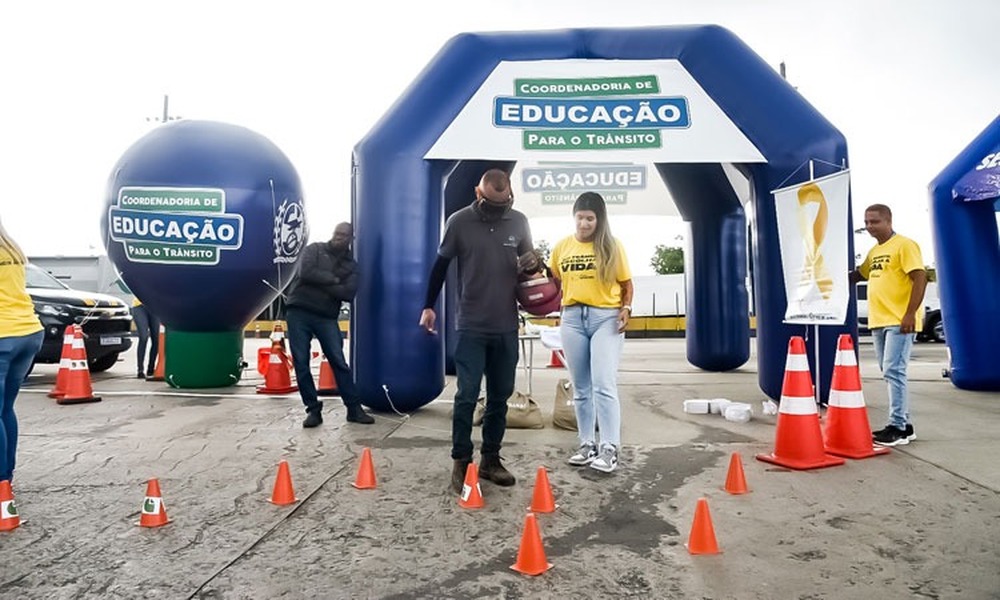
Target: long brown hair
(605, 245)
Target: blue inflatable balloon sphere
(205, 222)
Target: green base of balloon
(203, 359)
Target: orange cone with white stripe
(277, 380)
(78, 388)
(9, 519)
(65, 360)
(847, 432)
(327, 381)
(798, 440)
(154, 513)
(472, 494)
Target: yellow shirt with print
(574, 263)
(17, 312)
(887, 268)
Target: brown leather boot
(491, 469)
(458, 474)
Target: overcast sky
(909, 83)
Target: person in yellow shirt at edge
(596, 306)
(20, 338)
(147, 327)
(896, 282)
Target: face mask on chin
(492, 211)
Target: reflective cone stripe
(78, 388)
(847, 431)
(62, 376)
(9, 519)
(798, 440)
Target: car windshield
(36, 277)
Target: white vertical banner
(812, 233)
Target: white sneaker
(585, 455)
(607, 459)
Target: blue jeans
(147, 327)
(494, 355)
(593, 348)
(16, 355)
(892, 350)
(303, 326)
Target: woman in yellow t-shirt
(20, 338)
(597, 303)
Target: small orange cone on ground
(154, 513)
(555, 361)
(531, 555)
(283, 493)
(277, 380)
(472, 494)
(798, 441)
(365, 479)
(847, 431)
(78, 389)
(65, 360)
(542, 500)
(736, 482)
(327, 381)
(9, 519)
(702, 537)
(160, 372)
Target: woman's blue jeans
(16, 355)
(892, 350)
(593, 348)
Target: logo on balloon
(174, 225)
(289, 231)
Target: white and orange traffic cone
(160, 372)
(154, 513)
(78, 389)
(278, 379)
(9, 519)
(798, 441)
(847, 431)
(556, 361)
(65, 360)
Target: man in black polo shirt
(492, 243)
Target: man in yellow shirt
(896, 278)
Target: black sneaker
(139, 375)
(891, 436)
(909, 432)
(356, 414)
(313, 419)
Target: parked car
(933, 329)
(106, 320)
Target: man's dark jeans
(495, 356)
(303, 326)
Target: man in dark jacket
(328, 276)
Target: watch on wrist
(628, 307)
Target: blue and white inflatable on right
(964, 199)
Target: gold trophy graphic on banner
(813, 269)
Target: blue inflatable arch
(400, 200)
(963, 202)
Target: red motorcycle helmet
(539, 296)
